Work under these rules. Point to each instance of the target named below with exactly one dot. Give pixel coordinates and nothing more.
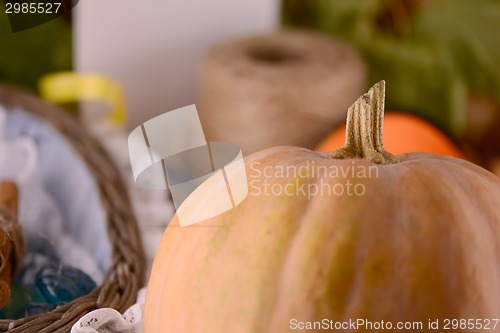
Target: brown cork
(8, 201)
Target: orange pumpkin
(417, 238)
(403, 133)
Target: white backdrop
(154, 47)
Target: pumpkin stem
(364, 129)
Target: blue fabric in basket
(67, 179)
(44, 282)
(59, 284)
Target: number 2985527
(32, 8)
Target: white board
(154, 48)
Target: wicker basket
(126, 274)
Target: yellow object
(68, 87)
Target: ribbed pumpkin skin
(422, 243)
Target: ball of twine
(285, 88)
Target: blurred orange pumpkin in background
(403, 133)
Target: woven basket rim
(125, 276)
